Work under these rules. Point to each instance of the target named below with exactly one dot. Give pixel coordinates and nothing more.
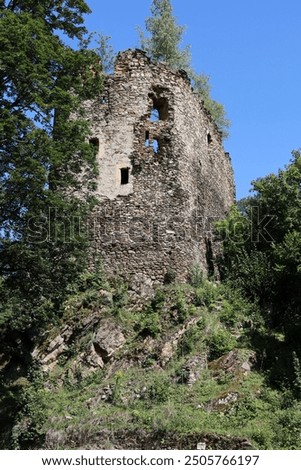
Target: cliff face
(163, 174)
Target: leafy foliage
(165, 36)
(201, 84)
(261, 256)
(262, 245)
(220, 342)
(44, 148)
(43, 83)
(196, 276)
(150, 324)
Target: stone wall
(163, 173)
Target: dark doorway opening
(124, 175)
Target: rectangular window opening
(209, 139)
(124, 175)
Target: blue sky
(251, 50)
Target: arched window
(159, 110)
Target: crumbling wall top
(137, 59)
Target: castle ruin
(164, 177)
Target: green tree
(163, 43)
(106, 53)
(262, 247)
(43, 149)
(201, 84)
(165, 38)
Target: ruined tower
(164, 177)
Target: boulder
(107, 340)
(92, 359)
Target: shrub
(287, 428)
(149, 324)
(120, 296)
(160, 390)
(196, 276)
(193, 340)
(28, 430)
(117, 388)
(220, 342)
(207, 294)
(229, 314)
(184, 310)
(158, 300)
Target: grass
(173, 407)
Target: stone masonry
(164, 177)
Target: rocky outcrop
(171, 344)
(234, 362)
(106, 339)
(193, 368)
(56, 347)
(221, 403)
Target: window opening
(94, 141)
(155, 116)
(124, 175)
(147, 142)
(160, 108)
(209, 138)
(155, 146)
